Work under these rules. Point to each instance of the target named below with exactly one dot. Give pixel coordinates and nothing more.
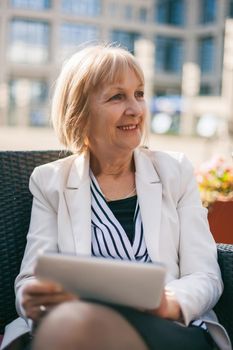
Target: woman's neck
(111, 166)
(115, 175)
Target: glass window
(128, 12)
(73, 35)
(208, 11)
(32, 4)
(30, 99)
(170, 12)
(29, 41)
(166, 111)
(143, 14)
(125, 39)
(205, 90)
(230, 12)
(169, 54)
(206, 54)
(90, 8)
(113, 9)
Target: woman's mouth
(128, 127)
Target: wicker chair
(15, 207)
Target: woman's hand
(46, 293)
(169, 307)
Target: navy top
(124, 210)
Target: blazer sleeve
(42, 234)
(200, 285)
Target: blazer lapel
(78, 200)
(149, 190)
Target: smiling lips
(128, 127)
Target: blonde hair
(85, 71)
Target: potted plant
(215, 181)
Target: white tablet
(121, 282)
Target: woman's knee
(86, 326)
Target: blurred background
(184, 46)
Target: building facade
(37, 35)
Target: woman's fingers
(39, 296)
(36, 287)
(37, 307)
(169, 307)
(47, 299)
(34, 313)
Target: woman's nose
(134, 107)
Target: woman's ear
(86, 140)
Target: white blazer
(174, 221)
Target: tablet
(121, 282)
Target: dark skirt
(163, 334)
(157, 333)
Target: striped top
(109, 239)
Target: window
(208, 10)
(206, 54)
(32, 4)
(230, 12)
(113, 9)
(166, 111)
(125, 39)
(90, 8)
(170, 12)
(128, 12)
(29, 41)
(73, 35)
(142, 14)
(205, 90)
(30, 97)
(169, 54)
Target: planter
(220, 218)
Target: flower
(215, 180)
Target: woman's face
(117, 115)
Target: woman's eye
(117, 97)
(139, 94)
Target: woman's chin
(130, 145)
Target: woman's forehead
(119, 78)
(117, 85)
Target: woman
(115, 199)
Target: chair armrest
(224, 308)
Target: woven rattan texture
(15, 208)
(224, 308)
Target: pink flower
(215, 180)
